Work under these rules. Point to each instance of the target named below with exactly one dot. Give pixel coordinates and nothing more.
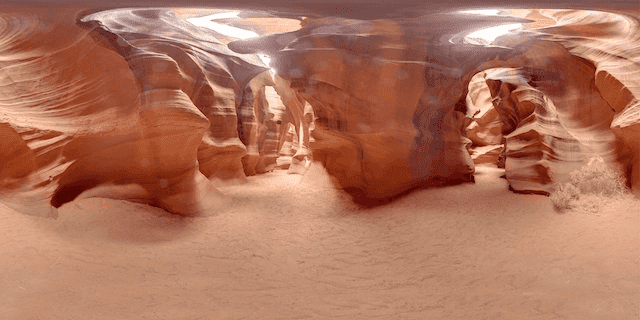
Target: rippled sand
(290, 247)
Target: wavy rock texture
(391, 126)
(141, 98)
(165, 51)
(258, 124)
(137, 98)
(550, 130)
(301, 115)
(612, 42)
(586, 92)
(254, 118)
(486, 128)
(53, 90)
(293, 123)
(273, 145)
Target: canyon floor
(292, 247)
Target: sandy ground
(289, 247)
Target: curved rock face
(301, 115)
(53, 91)
(165, 51)
(554, 117)
(142, 98)
(486, 126)
(393, 125)
(612, 43)
(135, 97)
(555, 113)
(262, 127)
(254, 117)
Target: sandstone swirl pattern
(133, 97)
(364, 79)
(388, 97)
(143, 99)
(599, 85)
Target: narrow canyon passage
(290, 247)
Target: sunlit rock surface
(55, 89)
(142, 98)
(540, 147)
(486, 127)
(253, 117)
(560, 117)
(384, 104)
(612, 43)
(131, 97)
(364, 127)
(553, 115)
(301, 115)
(165, 51)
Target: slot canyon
(319, 160)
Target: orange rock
(385, 124)
(547, 144)
(140, 97)
(486, 126)
(137, 99)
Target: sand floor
(290, 247)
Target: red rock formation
(207, 72)
(555, 122)
(488, 155)
(258, 122)
(55, 89)
(554, 110)
(486, 128)
(612, 42)
(285, 141)
(390, 126)
(301, 115)
(253, 114)
(131, 99)
(139, 97)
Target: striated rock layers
(391, 99)
(256, 126)
(140, 104)
(388, 97)
(486, 126)
(612, 43)
(554, 117)
(166, 52)
(134, 98)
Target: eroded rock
(486, 126)
(139, 97)
(135, 97)
(554, 118)
(385, 107)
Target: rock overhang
(423, 61)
